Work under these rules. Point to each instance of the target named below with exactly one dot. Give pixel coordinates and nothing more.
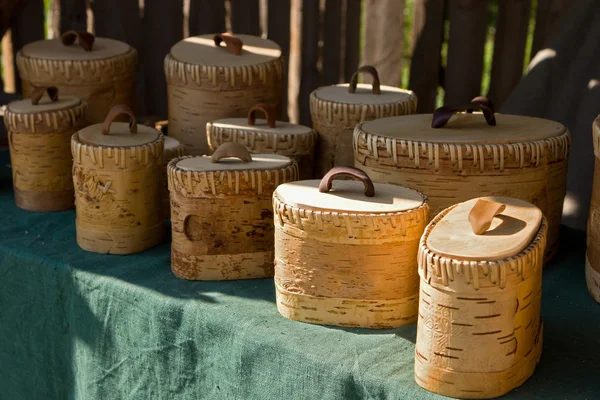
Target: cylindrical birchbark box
(118, 177)
(346, 251)
(221, 215)
(266, 136)
(336, 110)
(99, 70)
(592, 262)
(173, 149)
(479, 332)
(39, 133)
(206, 82)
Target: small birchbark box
(99, 70)
(118, 177)
(173, 149)
(479, 332)
(39, 133)
(336, 110)
(221, 215)
(206, 82)
(347, 256)
(592, 261)
(470, 155)
(266, 136)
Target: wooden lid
(53, 49)
(171, 143)
(267, 162)
(45, 104)
(119, 135)
(262, 126)
(512, 229)
(363, 95)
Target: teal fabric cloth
(78, 325)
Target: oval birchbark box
(39, 133)
(521, 157)
(592, 262)
(173, 149)
(335, 111)
(118, 173)
(479, 333)
(206, 82)
(221, 215)
(342, 258)
(104, 75)
(266, 136)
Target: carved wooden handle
(114, 112)
(234, 44)
(85, 39)
(267, 109)
(38, 93)
(482, 214)
(231, 149)
(442, 115)
(368, 69)
(355, 173)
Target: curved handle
(367, 69)
(482, 214)
(355, 173)
(114, 112)
(231, 149)
(85, 39)
(267, 109)
(442, 115)
(234, 44)
(38, 93)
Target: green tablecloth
(78, 325)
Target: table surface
(81, 325)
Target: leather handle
(231, 149)
(267, 109)
(85, 39)
(119, 109)
(482, 214)
(367, 69)
(234, 44)
(38, 93)
(442, 115)
(354, 173)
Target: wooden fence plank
(332, 39)
(28, 27)
(73, 15)
(549, 14)
(245, 17)
(278, 30)
(351, 12)
(206, 16)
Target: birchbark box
(335, 111)
(118, 177)
(266, 136)
(221, 215)
(592, 261)
(346, 251)
(479, 332)
(207, 81)
(39, 137)
(99, 70)
(521, 157)
(173, 149)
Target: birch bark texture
(592, 261)
(173, 149)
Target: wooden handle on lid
(114, 112)
(355, 173)
(38, 93)
(267, 109)
(85, 39)
(368, 69)
(482, 215)
(442, 115)
(231, 149)
(234, 44)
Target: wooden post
(278, 30)
(245, 17)
(332, 39)
(73, 15)
(351, 37)
(206, 16)
(549, 14)
(28, 27)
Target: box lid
(44, 99)
(71, 48)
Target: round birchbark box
(39, 133)
(346, 251)
(221, 215)
(479, 332)
(118, 173)
(266, 136)
(99, 70)
(207, 81)
(453, 156)
(335, 111)
(173, 149)
(592, 262)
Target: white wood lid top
(466, 128)
(201, 50)
(25, 107)
(171, 143)
(265, 162)
(261, 125)
(363, 95)
(53, 49)
(119, 135)
(510, 232)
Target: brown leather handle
(114, 112)
(231, 149)
(442, 115)
(482, 214)
(355, 173)
(85, 39)
(38, 93)
(234, 44)
(267, 109)
(367, 69)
